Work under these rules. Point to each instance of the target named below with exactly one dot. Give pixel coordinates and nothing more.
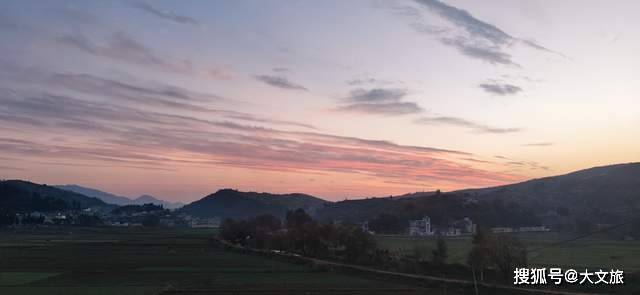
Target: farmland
(592, 253)
(143, 261)
(163, 261)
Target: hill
(147, 199)
(607, 194)
(24, 196)
(236, 204)
(118, 200)
(90, 192)
(612, 191)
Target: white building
(420, 227)
(451, 232)
(205, 222)
(466, 226)
(502, 230)
(525, 229)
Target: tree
(235, 231)
(297, 218)
(267, 222)
(261, 228)
(480, 255)
(358, 244)
(508, 254)
(258, 232)
(439, 254)
(388, 224)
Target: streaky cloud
(120, 46)
(460, 122)
(490, 54)
(468, 22)
(148, 95)
(502, 89)
(386, 108)
(122, 136)
(164, 14)
(279, 82)
(378, 101)
(376, 95)
(471, 36)
(110, 87)
(367, 81)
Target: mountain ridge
(26, 196)
(116, 199)
(611, 193)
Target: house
(524, 229)
(205, 223)
(502, 230)
(450, 231)
(465, 225)
(421, 227)
(457, 228)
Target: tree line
(299, 233)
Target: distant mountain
(610, 190)
(146, 199)
(90, 192)
(117, 200)
(24, 196)
(236, 204)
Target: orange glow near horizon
(387, 101)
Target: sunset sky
(339, 99)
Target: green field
(142, 261)
(592, 253)
(138, 261)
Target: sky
(339, 99)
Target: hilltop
(25, 196)
(605, 190)
(118, 200)
(607, 194)
(238, 204)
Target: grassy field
(138, 261)
(592, 253)
(143, 261)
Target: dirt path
(440, 279)
(409, 276)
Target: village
(463, 227)
(150, 215)
(127, 216)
